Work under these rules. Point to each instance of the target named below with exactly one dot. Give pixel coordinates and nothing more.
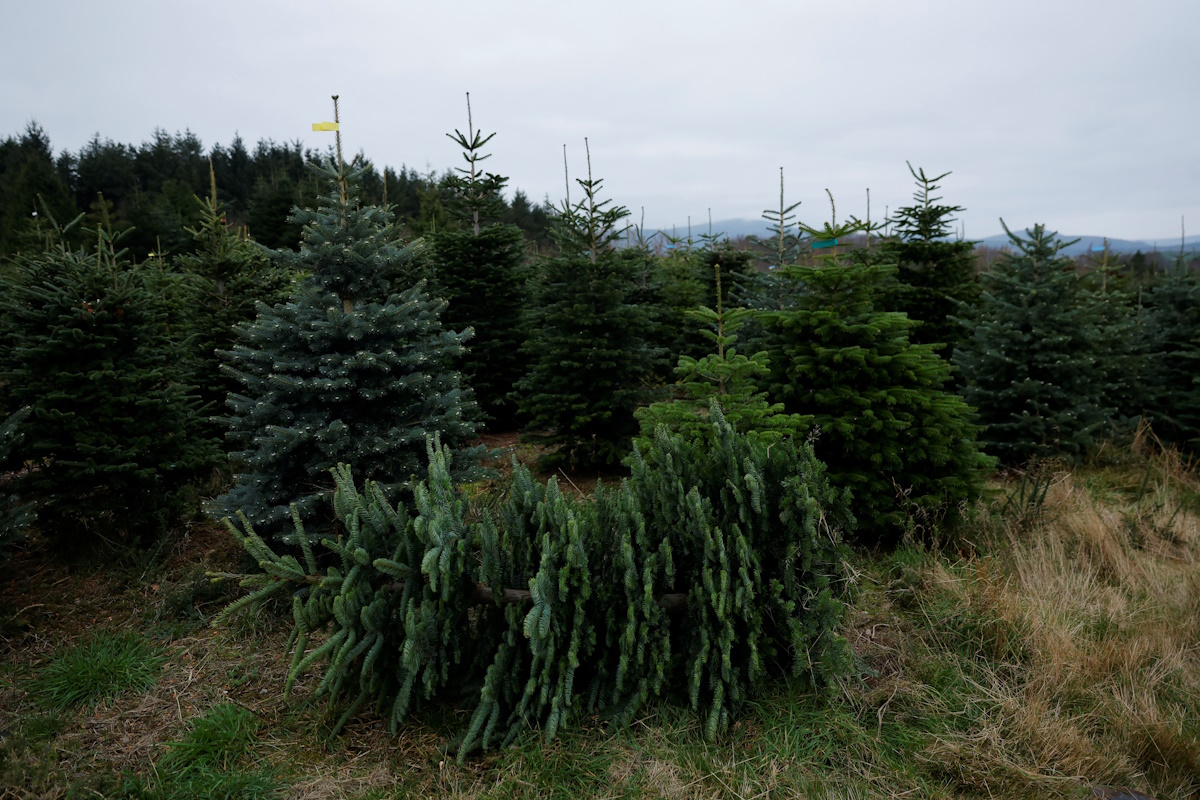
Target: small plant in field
(205, 763)
(105, 666)
(1023, 506)
(43, 727)
(218, 739)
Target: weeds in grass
(105, 666)
(186, 602)
(1024, 505)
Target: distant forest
(149, 193)
(151, 189)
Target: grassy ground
(1051, 648)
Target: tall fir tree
(589, 351)
(1030, 362)
(112, 441)
(935, 275)
(1172, 344)
(762, 290)
(889, 430)
(230, 276)
(355, 368)
(725, 269)
(671, 287)
(1123, 348)
(480, 271)
(30, 179)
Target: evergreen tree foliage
(786, 242)
(764, 291)
(670, 286)
(1030, 362)
(480, 271)
(725, 269)
(935, 276)
(1172, 328)
(352, 369)
(150, 188)
(112, 439)
(729, 378)
(888, 430)
(15, 515)
(1122, 350)
(30, 178)
(715, 566)
(230, 276)
(588, 346)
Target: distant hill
(725, 228)
(736, 228)
(1093, 243)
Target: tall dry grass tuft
(1104, 592)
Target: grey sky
(1082, 114)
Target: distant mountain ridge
(736, 228)
(1088, 244)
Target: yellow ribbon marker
(325, 126)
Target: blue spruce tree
(355, 368)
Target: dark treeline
(149, 190)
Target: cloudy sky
(1081, 114)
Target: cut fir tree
(904, 446)
(354, 369)
(716, 566)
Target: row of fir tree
(328, 402)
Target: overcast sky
(1081, 114)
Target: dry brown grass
(1105, 687)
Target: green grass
(98, 670)
(207, 761)
(220, 738)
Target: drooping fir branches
(713, 567)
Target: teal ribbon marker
(1098, 248)
(823, 243)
